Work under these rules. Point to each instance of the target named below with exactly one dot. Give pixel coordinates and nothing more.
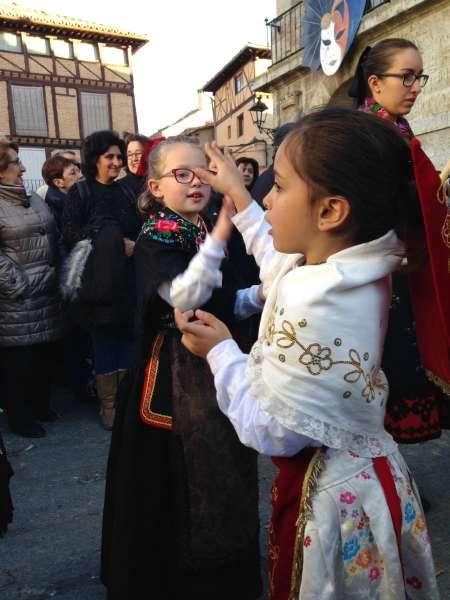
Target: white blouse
(253, 425)
(315, 370)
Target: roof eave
(246, 54)
(75, 30)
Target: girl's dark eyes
(276, 186)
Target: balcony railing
(286, 29)
(31, 185)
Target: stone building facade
(61, 79)
(232, 99)
(296, 89)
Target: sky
(188, 43)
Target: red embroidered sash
(149, 415)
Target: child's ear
(154, 188)
(58, 182)
(334, 213)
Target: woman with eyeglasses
(134, 149)
(30, 311)
(102, 209)
(387, 83)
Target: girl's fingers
(195, 328)
(229, 158)
(205, 175)
(182, 318)
(213, 152)
(207, 318)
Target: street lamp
(259, 115)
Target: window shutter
(94, 108)
(29, 110)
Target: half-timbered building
(232, 99)
(61, 79)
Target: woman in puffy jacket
(30, 315)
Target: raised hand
(202, 335)
(224, 176)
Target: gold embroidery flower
(316, 359)
(286, 337)
(368, 392)
(374, 380)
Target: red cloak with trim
(430, 284)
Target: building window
(37, 45)
(10, 42)
(229, 131)
(95, 113)
(114, 56)
(87, 52)
(239, 83)
(240, 125)
(62, 49)
(29, 110)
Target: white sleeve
(194, 286)
(254, 427)
(255, 231)
(248, 302)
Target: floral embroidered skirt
(353, 544)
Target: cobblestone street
(52, 548)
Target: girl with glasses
(181, 506)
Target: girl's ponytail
(146, 203)
(358, 86)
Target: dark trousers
(112, 350)
(76, 368)
(26, 373)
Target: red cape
(430, 285)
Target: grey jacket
(30, 310)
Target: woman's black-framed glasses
(408, 79)
(182, 175)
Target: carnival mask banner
(328, 30)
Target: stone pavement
(52, 547)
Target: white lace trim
(363, 444)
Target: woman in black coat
(102, 209)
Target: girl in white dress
(347, 520)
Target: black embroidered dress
(181, 506)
